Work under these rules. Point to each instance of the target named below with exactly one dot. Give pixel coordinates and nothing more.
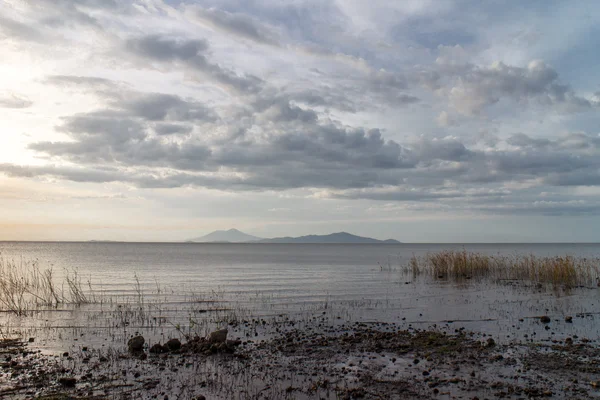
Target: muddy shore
(317, 361)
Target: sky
(422, 121)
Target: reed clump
(25, 286)
(567, 271)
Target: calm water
(301, 271)
(347, 282)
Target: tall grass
(25, 286)
(566, 271)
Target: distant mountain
(230, 236)
(340, 237)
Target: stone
(67, 382)
(232, 344)
(219, 336)
(157, 349)
(568, 341)
(136, 344)
(569, 319)
(545, 319)
(173, 344)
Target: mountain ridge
(332, 238)
(226, 236)
(236, 236)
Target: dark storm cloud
(190, 53)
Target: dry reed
(567, 271)
(25, 286)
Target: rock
(568, 319)
(67, 382)
(568, 341)
(200, 397)
(232, 344)
(173, 344)
(158, 349)
(31, 340)
(491, 342)
(545, 319)
(219, 336)
(103, 359)
(136, 344)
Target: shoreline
(318, 361)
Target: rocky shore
(345, 361)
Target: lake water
(344, 282)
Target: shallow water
(165, 289)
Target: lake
(263, 292)
(350, 282)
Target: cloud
(471, 88)
(386, 103)
(279, 145)
(190, 53)
(74, 174)
(12, 29)
(164, 107)
(445, 120)
(171, 129)
(112, 138)
(392, 87)
(11, 100)
(236, 24)
(443, 149)
(87, 82)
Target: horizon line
(263, 243)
